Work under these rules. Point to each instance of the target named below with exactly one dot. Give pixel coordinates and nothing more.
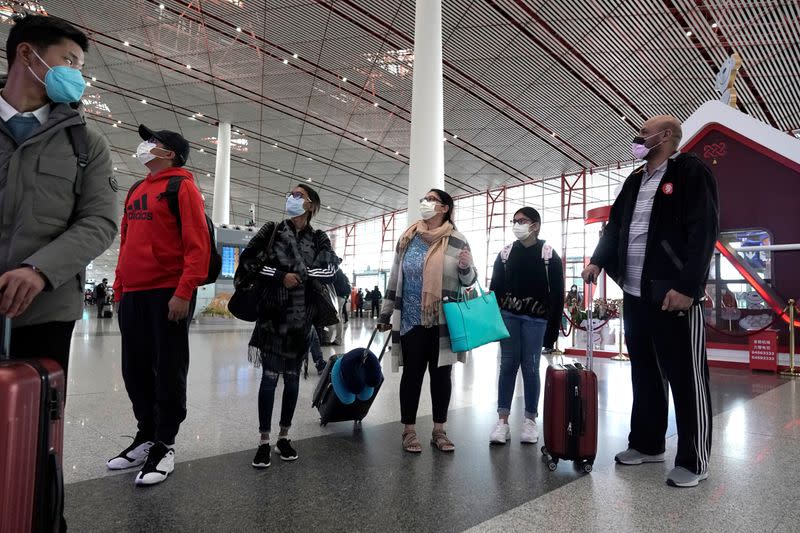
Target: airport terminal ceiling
(320, 91)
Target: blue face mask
(64, 85)
(294, 206)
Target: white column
(221, 212)
(426, 170)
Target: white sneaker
(160, 463)
(500, 433)
(133, 455)
(530, 432)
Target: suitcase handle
(590, 329)
(5, 345)
(369, 344)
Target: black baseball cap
(170, 139)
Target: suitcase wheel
(587, 467)
(552, 464)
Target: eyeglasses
(516, 221)
(431, 199)
(295, 194)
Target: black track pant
(155, 362)
(668, 350)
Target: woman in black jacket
(290, 267)
(529, 284)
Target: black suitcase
(328, 404)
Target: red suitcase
(31, 443)
(570, 411)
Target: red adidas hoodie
(153, 252)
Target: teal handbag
(473, 323)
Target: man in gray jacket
(58, 201)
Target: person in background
(280, 342)
(658, 245)
(376, 303)
(527, 280)
(162, 261)
(432, 263)
(58, 196)
(342, 288)
(101, 296)
(360, 303)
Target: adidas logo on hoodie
(138, 210)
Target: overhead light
(294, 56)
(277, 170)
(309, 180)
(199, 114)
(239, 29)
(375, 104)
(397, 153)
(310, 159)
(133, 155)
(455, 136)
(244, 160)
(688, 33)
(114, 126)
(285, 61)
(119, 122)
(126, 43)
(344, 80)
(161, 7)
(189, 67)
(115, 168)
(192, 118)
(275, 145)
(88, 84)
(208, 174)
(714, 25)
(94, 78)
(553, 134)
(622, 117)
(444, 139)
(202, 150)
(144, 101)
(365, 139)
(327, 207)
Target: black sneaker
(284, 447)
(160, 463)
(261, 459)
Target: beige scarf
(433, 269)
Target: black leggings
(421, 352)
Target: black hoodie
(521, 286)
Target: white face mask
(143, 152)
(427, 210)
(522, 231)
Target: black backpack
(170, 194)
(341, 284)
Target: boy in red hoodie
(161, 262)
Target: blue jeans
(315, 348)
(522, 349)
(266, 399)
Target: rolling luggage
(328, 404)
(31, 442)
(570, 411)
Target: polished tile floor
(359, 479)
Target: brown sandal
(442, 443)
(411, 442)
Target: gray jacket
(49, 218)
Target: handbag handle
(462, 296)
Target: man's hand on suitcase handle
(591, 273)
(18, 288)
(384, 327)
